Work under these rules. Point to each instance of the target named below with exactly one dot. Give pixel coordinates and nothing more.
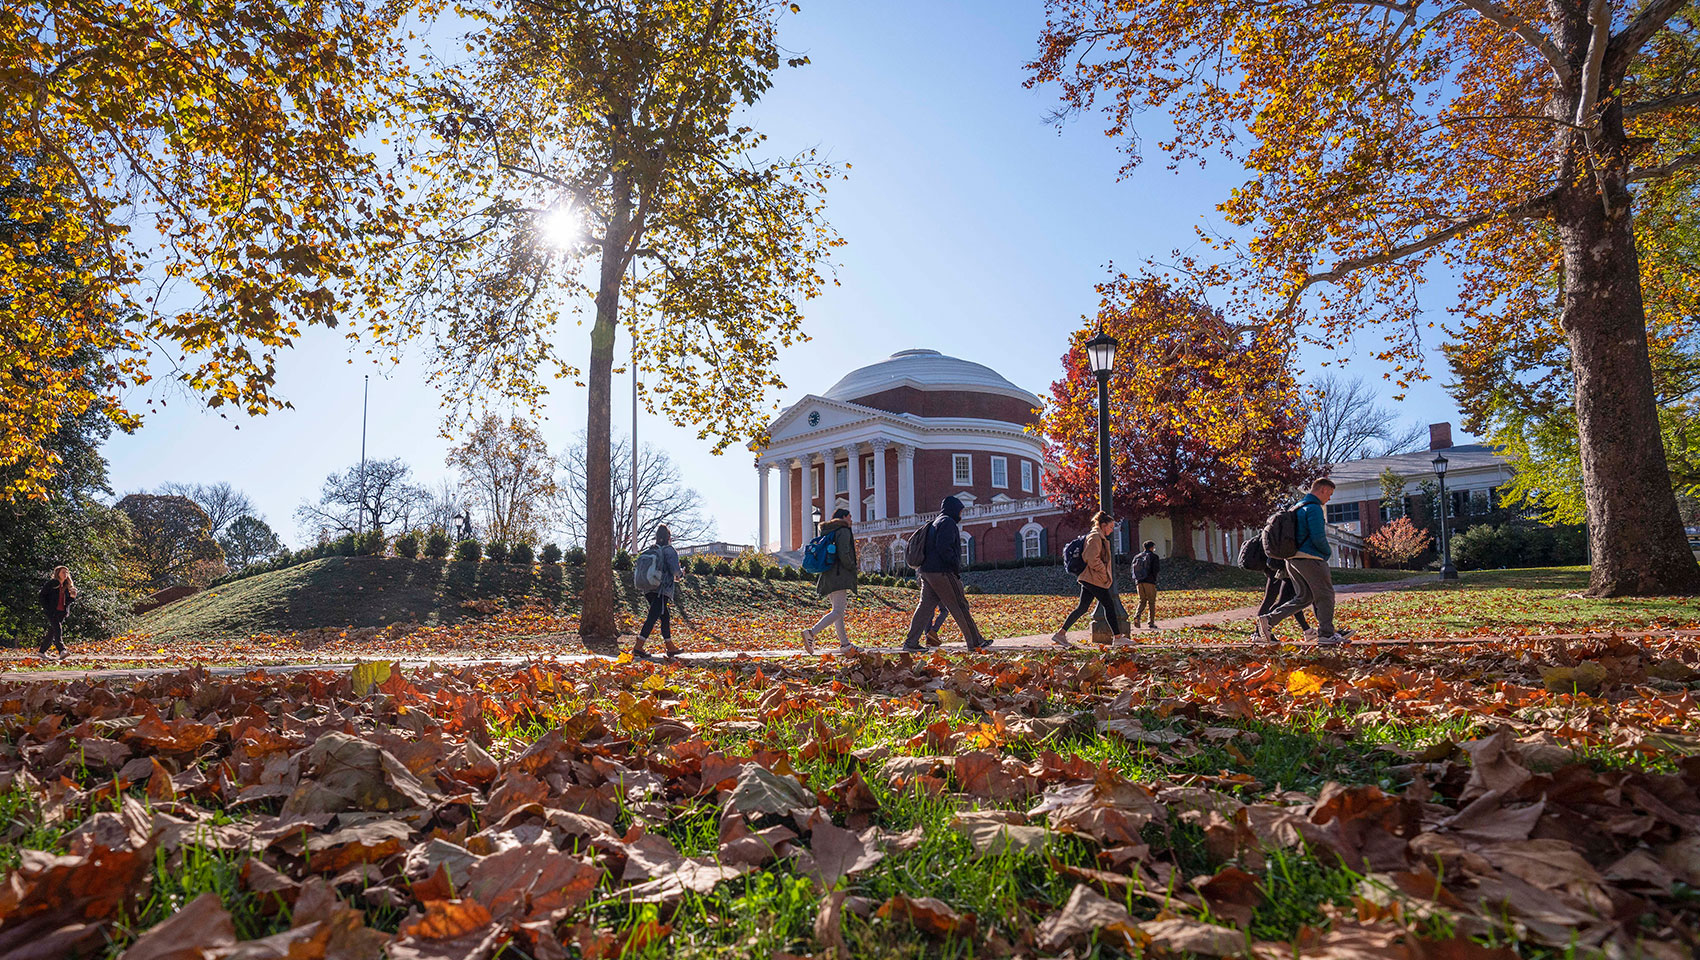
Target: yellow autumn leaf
(1300, 683)
(363, 677)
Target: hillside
(380, 591)
(1177, 574)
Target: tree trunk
(597, 620)
(1180, 527)
(1634, 529)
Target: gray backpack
(647, 573)
(915, 553)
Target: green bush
(521, 553)
(407, 545)
(550, 554)
(972, 589)
(468, 550)
(370, 544)
(792, 573)
(437, 545)
(622, 561)
(497, 551)
(700, 567)
(1513, 545)
(723, 569)
(575, 556)
(773, 573)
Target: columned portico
(786, 506)
(879, 446)
(763, 544)
(828, 481)
(906, 480)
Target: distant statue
(463, 526)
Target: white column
(906, 481)
(879, 479)
(785, 509)
(763, 544)
(828, 482)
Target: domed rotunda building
(892, 439)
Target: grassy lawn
(948, 807)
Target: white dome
(924, 370)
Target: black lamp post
(1101, 358)
(1447, 571)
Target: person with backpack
(655, 575)
(938, 549)
(1306, 555)
(1146, 565)
(1277, 584)
(56, 598)
(837, 578)
(1095, 560)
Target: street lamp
(1100, 359)
(1447, 571)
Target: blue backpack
(821, 554)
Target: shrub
(407, 545)
(792, 573)
(468, 550)
(700, 567)
(972, 589)
(754, 567)
(521, 553)
(437, 545)
(622, 561)
(773, 573)
(370, 544)
(550, 554)
(1483, 547)
(497, 551)
(575, 556)
(723, 569)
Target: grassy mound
(380, 591)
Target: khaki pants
(1314, 584)
(1147, 609)
(835, 616)
(943, 590)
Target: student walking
(658, 572)
(1277, 584)
(1146, 565)
(836, 582)
(56, 598)
(1095, 583)
(941, 580)
(1313, 581)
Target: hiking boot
(1153, 624)
(638, 652)
(670, 649)
(809, 642)
(1060, 638)
(1265, 632)
(933, 639)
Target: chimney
(1439, 436)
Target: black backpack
(1074, 556)
(1141, 566)
(1281, 534)
(915, 553)
(1252, 556)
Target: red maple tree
(1205, 417)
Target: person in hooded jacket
(672, 571)
(56, 598)
(941, 580)
(837, 582)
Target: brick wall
(950, 403)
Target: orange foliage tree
(1398, 543)
(1205, 419)
(179, 183)
(1507, 138)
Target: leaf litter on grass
(1151, 802)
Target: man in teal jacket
(1312, 579)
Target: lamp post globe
(1447, 570)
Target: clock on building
(814, 418)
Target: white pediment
(814, 414)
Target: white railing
(977, 513)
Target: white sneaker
(1122, 642)
(809, 642)
(1264, 631)
(1340, 638)
(1310, 633)
(1060, 638)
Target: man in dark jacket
(941, 580)
(1146, 565)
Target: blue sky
(974, 228)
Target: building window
(1343, 512)
(1032, 541)
(962, 469)
(1026, 477)
(868, 473)
(1480, 502)
(967, 549)
(899, 553)
(1460, 503)
(1000, 473)
(814, 482)
(1390, 512)
(841, 477)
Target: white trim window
(962, 469)
(899, 553)
(1032, 541)
(1026, 477)
(1000, 473)
(814, 481)
(841, 477)
(868, 473)
(967, 547)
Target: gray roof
(1421, 463)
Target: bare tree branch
(1538, 41)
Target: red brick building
(891, 440)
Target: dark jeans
(1276, 591)
(55, 634)
(658, 611)
(1089, 593)
(943, 590)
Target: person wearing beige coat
(1096, 581)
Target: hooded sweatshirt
(944, 547)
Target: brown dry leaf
(160, 788)
(1181, 937)
(448, 930)
(853, 794)
(534, 882)
(361, 843)
(739, 844)
(691, 876)
(198, 931)
(829, 926)
(1086, 913)
(341, 772)
(835, 853)
(51, 905)
(1494, 766)
(1232, 894)
(760, 791)
(932, 917)
(991, 833)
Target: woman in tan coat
(1096, 581)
